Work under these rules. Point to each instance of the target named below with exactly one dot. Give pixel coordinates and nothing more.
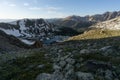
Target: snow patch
(27, 42)
(13, 32)
(22, 25)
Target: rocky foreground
(92, 59)
(34, 49)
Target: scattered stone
(44, 76)
(93, 66)
(41, 66)
(70, 61)
(68, 67)
(105, 48)
(84, 76)
(62, 63)
(59, 51)
(57, 76)
(108, 75)
(56, 67)
(84, 51)
(70, 75)
(78, 65)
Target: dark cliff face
(10, 43)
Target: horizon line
(57, 17)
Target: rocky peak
(113, 24)
(29, 29)
(73, 17)
(78, 22)
(105, 16)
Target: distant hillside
(96, 34)
(78, 22)
(113, 24)
(31, 30)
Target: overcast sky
(15, 9)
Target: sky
(18, 9)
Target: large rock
(70, 61)
(108, 75)
(62, 63)
(57, 76)
(84, 76)
(105, 48)
(44, 76)
(110, 50)
(84, 51)
(38, 44)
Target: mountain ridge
(74, 21)
(113, 24)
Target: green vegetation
(96, 57)
(96, 34)
(93, 56)
(68, 49)
(25, 68)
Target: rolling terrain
(91, 55)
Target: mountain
(109, 28)
(113, 24)
(105, 16)
(95, 18)
(78, 22)
(27, 28)
(91, 55)
(10, 43)
(31, 30)
(75, 22)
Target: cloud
(12, 5)
(52, 8)
(35, 8)
(49, 9)
(26, 4)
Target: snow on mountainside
(113, 24)
(34, 29)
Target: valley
(71, 48)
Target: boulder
(84, 51)
(105, 48)
(108, 75)
(38, 44)
(84, 76)
(44, 76)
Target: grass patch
(67, 49)
(96, 34)
(25, 68)
(92, 56)
(95, 57)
